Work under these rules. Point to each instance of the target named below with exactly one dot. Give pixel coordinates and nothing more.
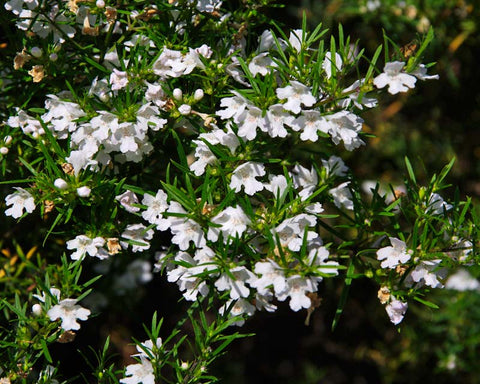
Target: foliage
(176, 138)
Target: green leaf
(427, 303)
(373, 62)
(28, 166)
(45, 351)
(176, 194)
(57, 149)
(96, 65)
(410, 170)
(344, 295)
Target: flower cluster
(224, 157)
(291, 258)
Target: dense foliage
(201, 143)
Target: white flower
(234, 107)
(297, 288)
(84, 244)
(372, 5)
(396, 310)
(461, 250)
(291, 231)
(318, 256)
(233, 222)
(295, 39)
(184, 274)
(147, 345)
(303, 178)
(262, 64)
(155, 94)
(208, 5)
(127, 201)
(245, 175)
(277, 185)
(264, 302)
(271, 276)
(55, 292)
(436, 205)
(80, 160)
(310, 122)
(234, 68)
(462, 280)
(156, 206)
(139, 235)
(204, 156)
(241, 307)
(169, 64)
(421, 73)
(118, 79)
(184, 230)
(296, 94)
(342, 196)
(426, 273)
(266, 41)
(328, 64)
(353, 92)
(68, 312)
(396, 80)
(234, 281)
(101, 89)
(139, 373)
(62, 115)
(26, 123)
(188, 230)
(251, 119)
(15, 6)
(276, 119)
(395, 255)
(314, 208)
(345, 126)
(205, 51)
(335, 166)
(19, 200)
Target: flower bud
(36, 52)
(177, 94)
(83, 191)
(104, 97)
(8, 139)
(185, 109)
(198, 95)
(36, 309)
(3, 150)
(60, 184)
(100, 4)
(53, 57)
